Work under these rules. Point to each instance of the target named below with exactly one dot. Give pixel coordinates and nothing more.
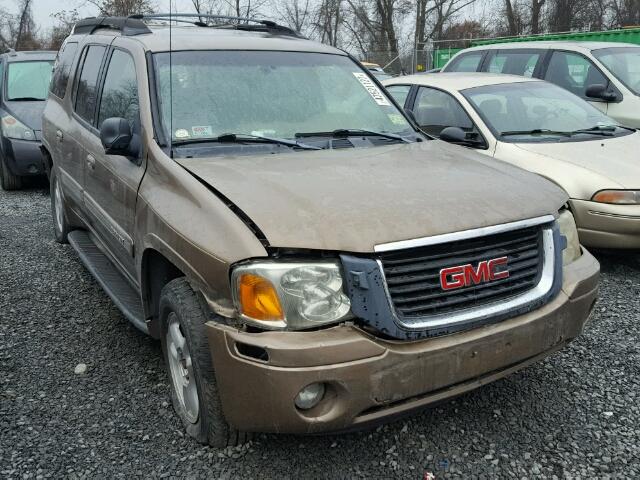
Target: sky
(43, 9)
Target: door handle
(91, 162)
(59, 135)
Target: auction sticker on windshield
(202, 131)
(371, 88)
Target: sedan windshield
(538, 111)
(28, 80)
(269, 94)
(624, 64)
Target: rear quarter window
(62, 68)
(467, 62)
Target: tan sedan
(542, 128)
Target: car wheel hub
(181, 368)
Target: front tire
(187, 359)
(8, 180)
(61, 227)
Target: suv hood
(354, 199)
(615, 159)
(29, 112)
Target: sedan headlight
(14, 128)
(567, 226)
(618, 197)
(290, 295)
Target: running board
(126, 298)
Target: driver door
(112, 181)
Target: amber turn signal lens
(259, 299)
(619, 197)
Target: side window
(87, 82)
(514, 62)
(435, 110)
(62, 68)
(573, 72)
(468, 62)
(120, 92)
(399, 93)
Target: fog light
(310, 396)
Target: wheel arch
(156, 271)
(47, 160)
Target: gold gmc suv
(308, 259)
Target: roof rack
(239, 23)
(127, 25)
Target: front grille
(413, 274)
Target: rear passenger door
(111, 181)
(57, 127)
(575, 72)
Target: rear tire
(187, 358)
(8, 180)
(61, 227)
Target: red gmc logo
(466, 275)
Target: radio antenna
(170, 79)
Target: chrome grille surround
(543, 288)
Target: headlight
(14, 128)
(619, 197)
(567, 226)
(291, 295)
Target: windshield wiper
(604, 130)
(352, 132)
(242, 137)
(535, 131)
(25, 99)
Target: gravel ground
(575, 415)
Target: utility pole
(23, 18)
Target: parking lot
(576, 414)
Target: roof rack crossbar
(175, 17)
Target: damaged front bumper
(368, 379)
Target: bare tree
(513, 20)
(626, 12)
(122, 8)
(328, 20)
(536, 12)
(433, 17)
(296, 14)
(65, 20)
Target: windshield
(269, 94)
(542, 109)
(623, 63)
(29, 80)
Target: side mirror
(115, 134)
(453, 135)
(599, 91)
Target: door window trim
(610, 83)
(81, 61)
(103, 79)
(542, 52)
(485, 143)
(56, 65)
(404, 106)
(457, 59)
